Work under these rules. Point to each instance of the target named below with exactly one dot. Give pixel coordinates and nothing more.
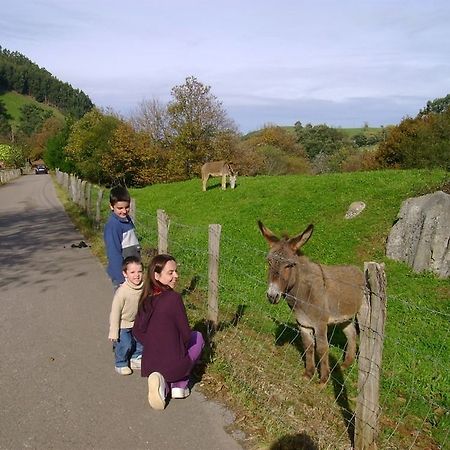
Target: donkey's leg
(308, 348)
(322, 352)
(204, 181)
(224, 181)
(350, 352)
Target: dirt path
(58, 388)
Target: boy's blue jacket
(120, 242)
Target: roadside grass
(254, 362)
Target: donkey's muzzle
(273, 294)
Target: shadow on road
(25, 235)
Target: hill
(20, 74)
(14, 101)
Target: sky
(340, 63)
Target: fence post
(79, 193)
(214, 231)
(371, 319)
(133, 209)
(98, 208)
(82, 200)
(66, 182)
(163, 230)
(87, 202)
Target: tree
(54, 154)
(133, 159)
(195, 119)
(5, 127)
(437, 106)
(12, 156)
(319, 139)
(272, 150)
(89, 140)
(32, 118)
(152, 117)
(423, 142)
(38, 141)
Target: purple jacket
(164, 331)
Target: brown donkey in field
(318, 295)
(218, 169)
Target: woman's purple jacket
(163, 329)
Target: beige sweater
(124, 308)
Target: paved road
(58, 388)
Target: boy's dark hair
(119, 194)
(130, 260)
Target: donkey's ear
(299, 241)
(267, 234)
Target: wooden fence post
(82, 200)
(213, 275)
(133, 209)
(66, 182)
(371, 319)
(98, 208)
(163, 230)
(78, 198)
(87, 202)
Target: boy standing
(119, 234)
(121, 320)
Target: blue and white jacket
(120, 241)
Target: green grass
(417, 344)
(255, 362)
(14, 101)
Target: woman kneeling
(171, 348)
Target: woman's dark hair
(151, 284)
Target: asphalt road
(58, 388)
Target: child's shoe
(124, 370)
(180, 392)
(135, 363)
(157, 391)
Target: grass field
(14, 101)
(255, 362)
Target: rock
(354, 209)
(421, 234)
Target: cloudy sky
(343, 63)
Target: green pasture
(415, 387)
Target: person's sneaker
(124, 370)
(135, 363)
(157, 391)
(180, 392)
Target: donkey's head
(282, 259)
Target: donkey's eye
(288, 266)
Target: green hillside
(14, 101)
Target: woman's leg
(196, 345)
(195, 348)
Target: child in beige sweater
(127, 350)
